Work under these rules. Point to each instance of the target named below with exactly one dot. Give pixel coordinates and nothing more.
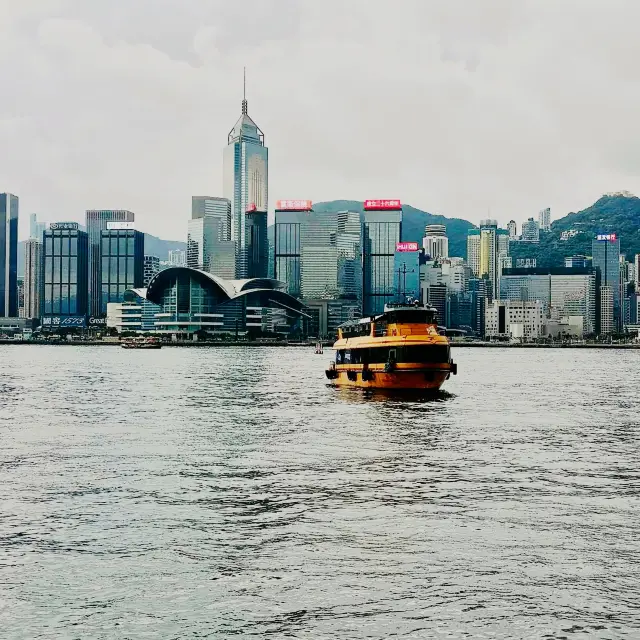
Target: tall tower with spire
(245, 181)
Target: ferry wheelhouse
(398, 349)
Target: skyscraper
(245, 181)
(177, 257)
(257, 243)
(64, 294)
(207, 251)
(544, 219)
(605, 249)
(381, 231)
(96, 222)
(213, 207)
(485, 248)
(512, 228)
(435, 241)
(36, 229)
(122, 263)
(8, 255)
(32, 277)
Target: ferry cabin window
(413, 316)
(415, 354)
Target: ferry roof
(388, 309)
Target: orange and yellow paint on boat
(398, 349)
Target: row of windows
(61, 299)
(381, 355)
(117, 245)
(61, 245)
(61, 269)
(118, 270)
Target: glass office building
(257, 244)
(563, 292)
(8, 255)
(380, 233)
(245, 182)
(122, 262)
(605, 250)
(64, 291)
(287, 249)
(97, 220)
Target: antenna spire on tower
(244, 92)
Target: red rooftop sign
(406, 246)
(382, 205)
(293, 205)
(251, 208)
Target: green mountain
(615, 213)
(413, 223)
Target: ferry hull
(397, 380)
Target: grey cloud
(454, 107)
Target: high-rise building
(485, 247)
(122, 262)
(8, 255)
(563, 292)
(605, 249)
(544, 219)
(151, 267)
(32, 277)
(512, 228)
(478, 293)
(97, 221)
(36, 229)
(435, 241)
(349, 260)
(257, 243)
(381, 232)
(636, 269)
(213, 207)
(64, 291)
(207, 251)
(178, 258)
(607, 320)
(245, 181)
(530, 231)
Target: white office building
(517, 320)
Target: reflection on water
(233, 492)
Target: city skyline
(492, 90)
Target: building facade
(381, 231)
(257, 244)
(607, 319)
(96, 222)
(122, 264)
(213, 207)
(151, 267)
(36, 229)
(245, 181)
(517, 320)
(530, 231)
(177, 258)
(32, 277)
(605, 249)
(485, 247)
(435, 242)
(65, 275)
(544, 219)
(512, 228)
(9, 208)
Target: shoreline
(474, 345)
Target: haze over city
(459, 108)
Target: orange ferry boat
(398, 349)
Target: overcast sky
(457, 107)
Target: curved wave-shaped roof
(268, 288)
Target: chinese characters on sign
(406, 246)
(118, 226)
(293, 205)
(64, 321)
(382, 205)
(607, 236)
(66, 226)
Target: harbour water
(193, 493)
